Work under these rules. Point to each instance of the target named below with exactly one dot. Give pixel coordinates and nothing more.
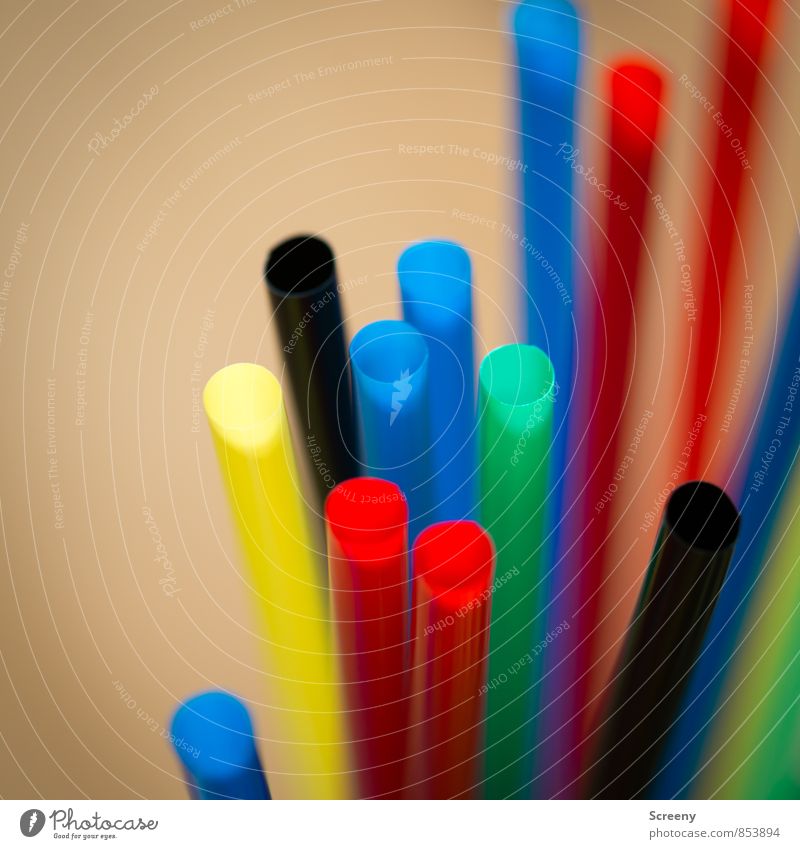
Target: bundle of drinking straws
(443, 612)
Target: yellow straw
(753, 753)
(307, 755)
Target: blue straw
(436, 286)
(213, 737)
(390, 374)
(773, 454)
(547, 36)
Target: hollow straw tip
(244, 406)
(383, 351)
(517, 375)
(636, 94)
(435, 268)
(366, 509)
(212, 734)
(702, 516)
(299, 266)
(547, 34)
(455, 561)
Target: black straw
(694, 547)
(300, 274)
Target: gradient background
(96, 648)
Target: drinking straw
(390, 378)
(366, 521)
(753, 747)
(773, 452)
(515, 402)
(547, 41)
(213, 737)
(694, 547)
(300, 274)
(743, 48)
(634, 116)
(436, 286)
(453, 573)
(245, 409)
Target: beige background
(95, 652)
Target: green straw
(516, 387)
(755, 751)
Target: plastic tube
(300, 274)
(213, 737)
(436, 286)
(695, 544)
(453, 572)
(244, 405)
(366, 522)
(753, 749)
(634, 114)
(390, 375)
(515, 403)
(548, 45)
(547, 40)
(743, 46)
(774, 452)
(547, 37)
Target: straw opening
(703, 516)
(299, 265)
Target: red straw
(635, 115)
(454, 569)
(743, 43)
(367, 530)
